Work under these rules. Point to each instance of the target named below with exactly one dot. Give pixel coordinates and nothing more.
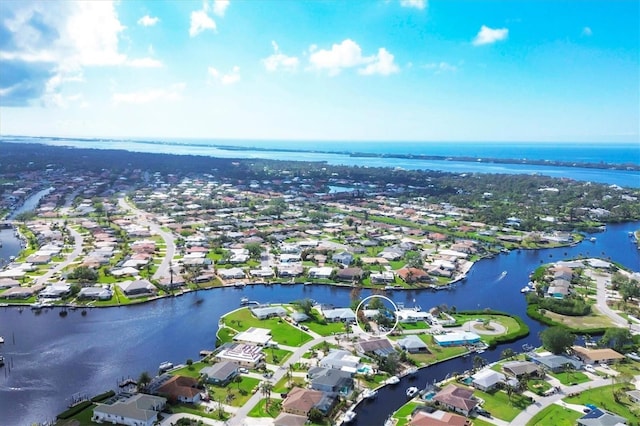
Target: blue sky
(410, 70)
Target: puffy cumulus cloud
(171, 93)
(488, 35)
(43, 47)
(231, 77)
(200, 21)
(148, 21)
(220, 7)
(145, 63)
(417, 4)
(348, 54)
(586, 31)
(280, 61)
(381, 64)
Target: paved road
(143, 218)
(77, 251)
(601, 303)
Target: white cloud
(145, 63)
(148, 21)
(440, 67)
(348, 55)
(200, 21)
(382, 64)
(231, 77)
(586, 31)
(172, 93)
(220, 7)
(488, 35)
(418, 4)
(280, 61)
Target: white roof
(256, 335)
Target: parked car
(304, 327)
(589, 368)
(243, 370)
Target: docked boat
(393, 380)
(37, 306)
(244, 301)
(1, 360)
(1, 339)
(592, 239)
(526, 289)
(411, 392)
(165, 366)
(349, 416)
(369, 394)
(411, 372)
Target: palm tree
(478, 362)
(265, 389)
(507, 353)
(144, 380)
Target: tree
(507, 353)
(254, 249)
(557, 339)
(238, 380)
(616, 338)
(265, 389)
(478, 362)
(315, 415)
(143, 380)
(413, 259)
(306, 305)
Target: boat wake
(502, 275)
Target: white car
(243, 370)
(589, 368)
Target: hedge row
(74, 410)
(101, 397)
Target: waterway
(51, 359)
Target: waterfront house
(554, 363)
(137, 288)
(180, 389)
(21, 292)
(323, 272)
(380, 347)
(349, 274)
(55, 291)
(136, 410)
(437, 418)
(596, 356)
(299, 316)
(457, 399)
(250, 356)
(330, 380)
(231, 273)
(412, 275)
(341, 360)
(413, 344)
(601, 417)
(95, 293)
(383, 277)
(487, 379)
(220, 373)
(264, 312)
(457, 338)
(300, 401)
(344, 258)
(255, 335)
(339, 314)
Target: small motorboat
(348, 416)
(244, 301)
(369, 394)
(393, 380)
(165, 366)
(412, 391)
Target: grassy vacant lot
(603, 397)
(193, 371)
(276, 356)
(372, 381)
(235, 394)
(438, 353)
(499, 405)
(573, 377)
(404, 412)
(282, 385)
(555, 415)
(420, 325)
(281, 331)
(322, 327)
(225, 335)
(595, 320)
(260, 410)
(197, 410)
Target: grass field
(574, 377)
(235, 394)
(281, 331)
(595, 320)
(555, 415)
(193, 371)
(404, 412)
(260, 410)
(276, 356)
(603, 397)
(499, 405)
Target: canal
(51, 359)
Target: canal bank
(53, 358)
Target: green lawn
(438, 352)
(479, 422)
(498, 404)
(603, 397)
(260, 409)
(404, 412)
(191, 409)
(281, 331)
(225, 335)
(555, 415)
(574, 377)
(372, 381)
(276, 356)
(538, 387)
(193, 371)
(282, 385)
(420, 325)
(325, 328)
(239, 392)
(509, 323)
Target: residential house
(456, 398)
(340, 360)
(437, 418)
(344, 258)
(220, 373)
(383, 277)
(264, 312)
(299, 316)
(95, 293)
(380, 347)
(181, 389)
(519, 369)
(413, 344)
(137, 288)
(487, 379)
(339, 314)
(255, 335)
(554, 363)
(137, 410)
(287, 419)
(601, 417)
(330, 380)
(250, 356)
(320, 272)
(457, 338)
(300, 401)
(55, 291)
(413, 275)
(596, 356)
(231, 273)
(349, 274)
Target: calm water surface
(51, 358)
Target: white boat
(36, 305)
(411, 391)
(526, 290)
(244, 300)
(412, 371)
(348, 416)
(165, 366)
(1, 339)
(369, 394)
(592, 239)
(480, 351)
(393, 380)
